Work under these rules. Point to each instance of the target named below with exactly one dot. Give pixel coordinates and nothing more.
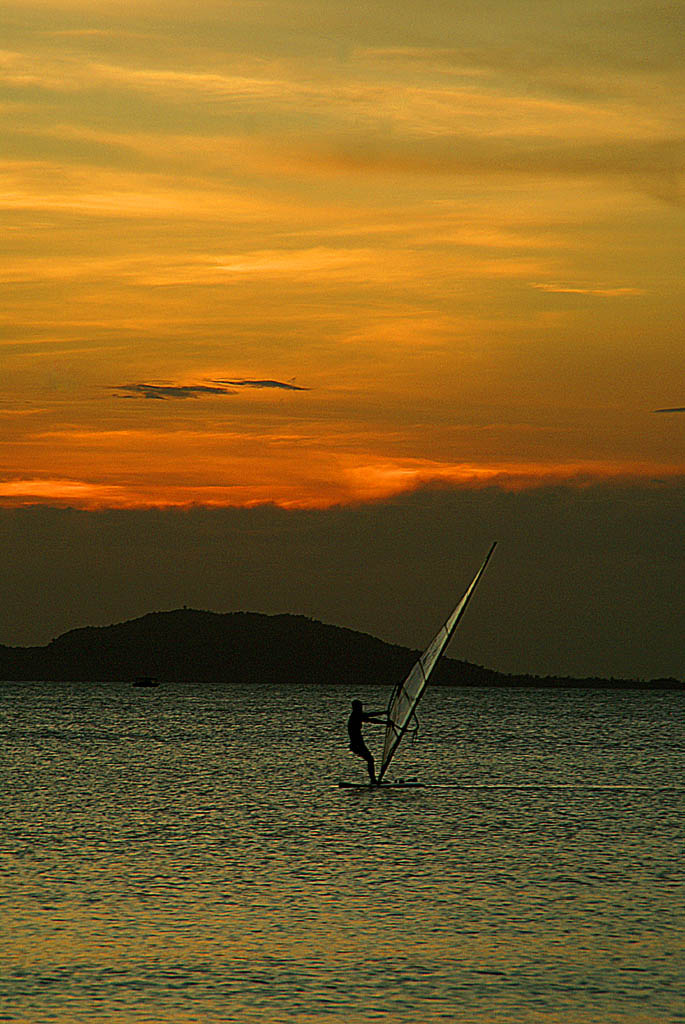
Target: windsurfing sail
(407, 695)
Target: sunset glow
(316, 256)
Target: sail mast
(406, 696)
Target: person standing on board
(354, 728)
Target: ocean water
(175, 855)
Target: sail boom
(406, 696)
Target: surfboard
(400, 784)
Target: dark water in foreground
(169, 856)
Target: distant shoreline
(201, 648)
(620, 685)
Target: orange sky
(324, 253)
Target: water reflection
(182, 857)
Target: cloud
(655, 163)
(313, 260)
(34, 185)
(55, 490)
(163, 391)
(243, 383)
(216, 387)
(562, 289)
(676, 409)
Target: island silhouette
(199, 647)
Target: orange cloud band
(348, 483)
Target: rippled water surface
(178, 856)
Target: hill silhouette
(208, 647)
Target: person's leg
(361, 750)
(371, 765)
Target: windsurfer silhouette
(354, 728)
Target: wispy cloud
(79, 493)
(567, 289)
(308, 482)
(161, 392)
(677, 408)
(316, 260)
(44, 185)
(164, 391)
(246, 383)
